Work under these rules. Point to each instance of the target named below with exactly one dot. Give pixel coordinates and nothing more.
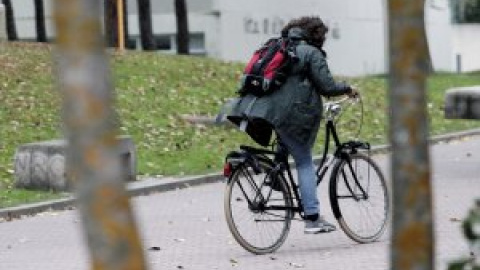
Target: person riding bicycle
(294, 110)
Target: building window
(465, 11)
(168, 43)
(197, 44)
(163, 42)
(131, 43)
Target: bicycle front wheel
(258, 215)
(359, 198)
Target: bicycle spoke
(251, 210)
(275, 215)
(360, 197)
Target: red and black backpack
(269, 66)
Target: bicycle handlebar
(333, 109)
(342, 100)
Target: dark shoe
(318, 226)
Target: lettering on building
(273, 26)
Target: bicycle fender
(333, 202)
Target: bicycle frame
(280, 159)
(323, 167)
(272, 194)
(330, 133)
(341, 151)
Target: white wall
(356, 43)
(3, 26)
(439, 34)
(24, 12)
(244, 28)
(467, 45)
(357, 40)
(361, 47)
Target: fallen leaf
(23, 240)
(296, 265)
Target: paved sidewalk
(188, 227)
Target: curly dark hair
(314, 29)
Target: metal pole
(412, 238)
(92, 163)
(459, 63)
(121, 30)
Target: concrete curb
(152, 185)
(137, 188)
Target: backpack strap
(268, 55)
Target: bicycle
(262, 197)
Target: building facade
(230, 30)
(3, 26)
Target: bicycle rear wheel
(258, 216)
(359, 198)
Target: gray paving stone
(189, 228)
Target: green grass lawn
(153, 91)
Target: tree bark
(126, 34)
(111, 23)
(182, 27)
(93, 164)
(40, 21)
(10, 19)
(412, 237)
(145, 23)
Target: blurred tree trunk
(181, 14)
(90, 122)
(40, 21)
(126, 34)
(111, 22)
(145, 23)
(412, 234)
(10, 18)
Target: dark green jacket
(297, 106)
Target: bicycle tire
(258, 231)
(362, 218)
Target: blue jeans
(302, 154)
